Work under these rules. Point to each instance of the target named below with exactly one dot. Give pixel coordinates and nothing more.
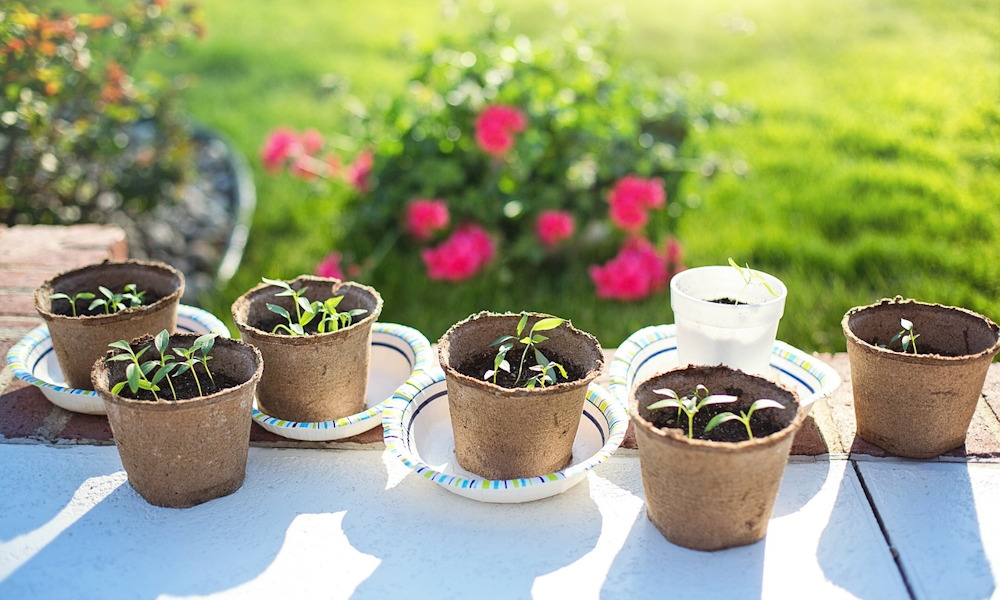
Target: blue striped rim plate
(653, 350)
(417, 429)
(33, 360)
(398, 353)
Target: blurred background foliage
(873, 153)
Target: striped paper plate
(398, 353)
(653, 350)
(417, 428)
(33, 360)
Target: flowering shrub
(69, 101)
(530, 152)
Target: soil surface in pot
(724, 301)
(186, 387)
(921, 350)
(477, 366)
(765, 421)
(62, 307)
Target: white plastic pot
(739, 336)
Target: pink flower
(636, 272)
(312, 141)
(632, 198)
(554, 226)
(281, 145)
(330, 266)
(424, 217)
(460, 256)
(357, 173)
(496, 126)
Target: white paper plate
(33, 360)
(653, 350)
(418, 432)
(398, 352)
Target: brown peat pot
(709, 495)
(509, 433)
(80, 341)
(185, 452)
(917, 405)
(317, 377)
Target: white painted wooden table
(357, 524)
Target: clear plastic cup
(741, 335)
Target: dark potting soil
(186, 387)
(62, 307)
(921, 349)
(764, 422)
(312, 328)
(724, 301)
(477, 366)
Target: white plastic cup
(739, 336)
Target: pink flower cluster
(553, 227)
(425, 217)
(637, 271)
(460, 256)
(301, 154)
(631, 200)
(496, 126)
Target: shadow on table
(124, 547)
(649, 566)
(39, 485)
(416, 537)
(929, 513)
(433, 543)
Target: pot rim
(675, 437)
(183, 403)
(525, 393)
(708, 270)
(41, 293)
(935, 359)
(250, 298)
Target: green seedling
(72, 299)
(689, 404)
(507, 342)
(743, 417)
(201, 345)
(750, 277)
(166, 364)
(305, 312)
(147, 375)
(907, 337)
(130, 297)
(137, 373)
(547, 373)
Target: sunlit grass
(874, 152)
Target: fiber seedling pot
(508, 433)
(80, 341)
(311, 378)
(710, 495)
(739, 336)
(918, 406)
(185, 452)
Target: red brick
(18, 323)
(24, 409)
(23, 278)
(17, 304)
(91, 428)
(107, 240)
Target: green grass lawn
(874, 152)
